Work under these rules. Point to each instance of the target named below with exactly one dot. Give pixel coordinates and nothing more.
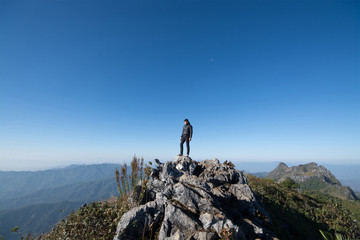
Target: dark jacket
(187, 130)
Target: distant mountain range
(77, 192)
(18, 184)
(354, 184)
(347, 174)
(312, 177)
(34, 219)
(35, 201)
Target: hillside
(312, 178)
(282, 211)
(300, 216)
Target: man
(186, 136)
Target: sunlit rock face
(186, 199)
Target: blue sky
(99, 81)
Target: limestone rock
(133, 222)
(196, 200)
(312, 177)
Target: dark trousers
(183, 139)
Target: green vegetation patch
(299, 216)
(97, 220)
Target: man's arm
(191, 132)
(181, 134)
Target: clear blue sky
(85, 81)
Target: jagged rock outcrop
(312, 177)
(195, 200)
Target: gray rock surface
(303, 172)
(196, 200)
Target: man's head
(186, 121)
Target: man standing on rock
(186, 136)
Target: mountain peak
(282, 165)
(196, 200)
(312, 177)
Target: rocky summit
(312, 177)
(186, 199)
